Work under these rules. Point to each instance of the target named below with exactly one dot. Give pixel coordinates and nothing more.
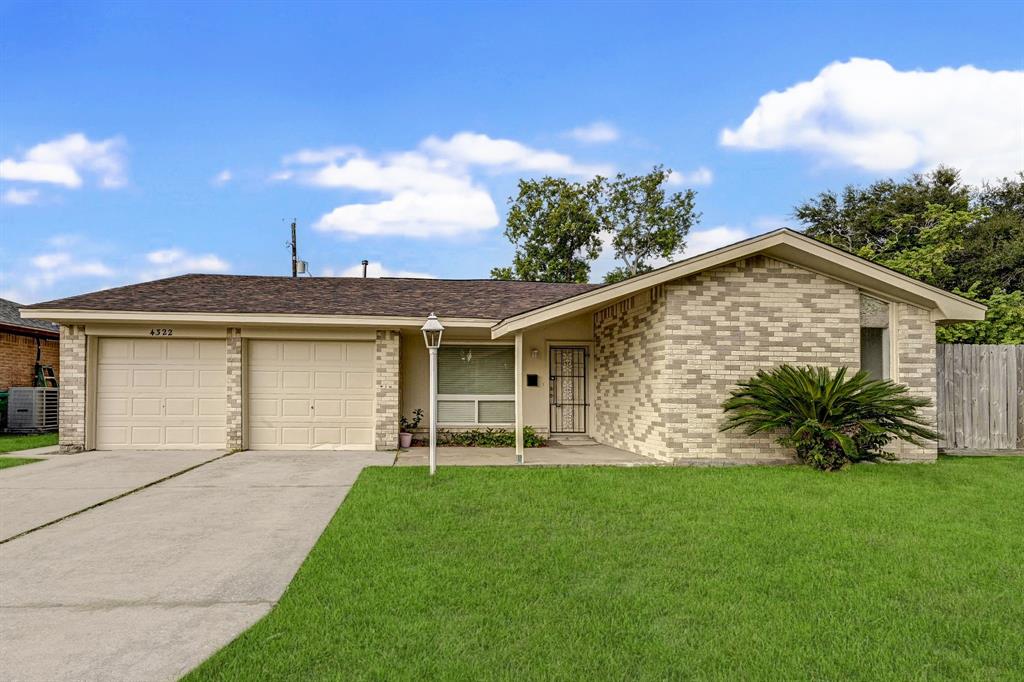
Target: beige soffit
(240, 319)
(785, 245)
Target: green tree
(644, 220)
(554, 226)
(876, 216)
(1003, 323)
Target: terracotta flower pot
(404, 439)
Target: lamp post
(432, 330)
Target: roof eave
(153, 317)
(785, 245)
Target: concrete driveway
(149, 585)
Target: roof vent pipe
(365, 263)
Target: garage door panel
(360, 353)
(180, 378)
(212, 407)
(292, 379)
(180, 407)
(305, 405)
(358, 408)
(154, 350)
(110, 377)
(328, 380)
(147, 378)
(356, 380)
(145, 407)
(151, 393)
(295, 407)
(296, 352)
(359, 436)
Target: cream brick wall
(635, 407)
(672, 361)
(915, 367)
(71, 422)
(387, 370)
(235, 380)
(666, 359)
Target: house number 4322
(161, 332)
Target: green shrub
(828, 419)
(489, 438)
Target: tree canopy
(557, 225)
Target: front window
(476, 384)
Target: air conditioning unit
(32, 410)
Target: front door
(568, 366)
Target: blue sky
(140, 140)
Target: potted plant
(407, 427)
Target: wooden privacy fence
(980, 402)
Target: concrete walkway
(148, 586)
(555, 455)
(35, 494)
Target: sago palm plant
(830, 420)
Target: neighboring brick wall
(668, 363)
(18, 358)
(915, 367)
(387, 359)
(234, 342)
(72, 388)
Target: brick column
(233, 438)
(387, 358)
(72, 389)
(915, 368)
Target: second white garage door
(310, 395)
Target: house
(24, 344)
(211, 361)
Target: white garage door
(157, 394)
(310, 394)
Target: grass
(12, 443)
(877, 572)
(8, 462)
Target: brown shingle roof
(386, 297)
(11, 318)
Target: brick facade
(915, 368)
(234, 384)
(18, 358)
(666, 359)
(387, 361)
(72, 389)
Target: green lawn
(8, 462)
(878, 572)
(12, 443)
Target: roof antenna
(365, 263)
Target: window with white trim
(476, 384)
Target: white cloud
(865, 113)
(222, 178)
(702, 241)
(174, 261)
(598, 132)
(477, 149)
(373, 269)
(20, 197)
(63, 161)
(54, 266)
(701, 176)
(426, 192)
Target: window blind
(476, 370)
